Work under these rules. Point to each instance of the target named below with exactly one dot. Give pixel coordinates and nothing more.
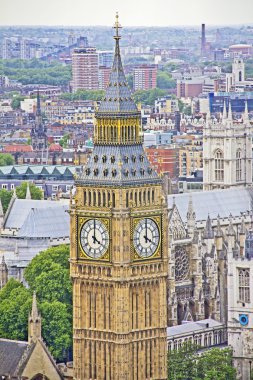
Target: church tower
(227, 152)
(38, 132)
(119, 248)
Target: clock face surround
(146, 237)
(94, 238)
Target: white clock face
(146, 237)
(94, 238)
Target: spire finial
(38, 110)
(230, 116)
(246, 113)
(1, 209)
(34, 313)
(224, 114)
(117, 26)
(28, 193)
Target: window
(219, 165)
(68, 187)
(238, 165)
(12, 186)
(55, 188)
(244, 285)
(4, 186)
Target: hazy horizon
(161, 13)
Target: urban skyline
(181, 13)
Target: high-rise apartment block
(145, 77)
(103, 77)
(85, 69)
(106, 58)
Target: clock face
(146, 237)
(94, 238)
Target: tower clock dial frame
(146, 237)
(94, 238)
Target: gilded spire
(118, 98)
(117, 26)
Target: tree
(5, 196)
(15, 104)
(216, 364)
(6, 159)
(48, 275)
(64, 141)
(148, 97)
(15, 305)
(180, 363)
(164, 80)
(36, 193)
(188, 364)
(57, 328)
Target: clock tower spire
(119, 248)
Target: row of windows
(200, 340)
(105, 198)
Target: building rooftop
(192, 327)
(224, 202)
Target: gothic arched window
(244, 285)
(219, 165)
(238, 165)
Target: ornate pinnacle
(117, 26)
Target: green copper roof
(118, 97)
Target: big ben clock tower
(119, 248)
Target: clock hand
(147, 239)
(95, 240)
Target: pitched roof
(52, 222)
(190, 327)
(11, 352)
(222, 202)
(17, 148)
(21, 208)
